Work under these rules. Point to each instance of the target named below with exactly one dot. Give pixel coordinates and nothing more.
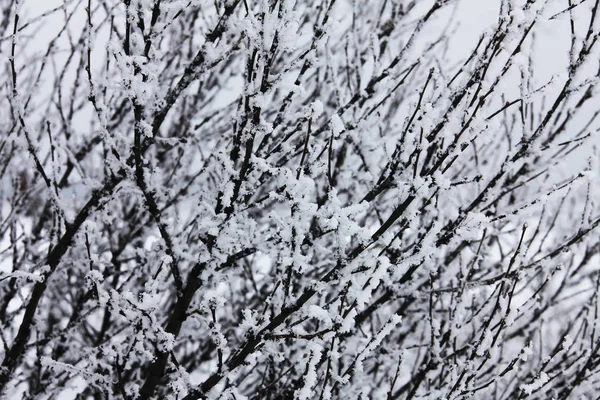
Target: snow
(343, 260)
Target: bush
(310, 199)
